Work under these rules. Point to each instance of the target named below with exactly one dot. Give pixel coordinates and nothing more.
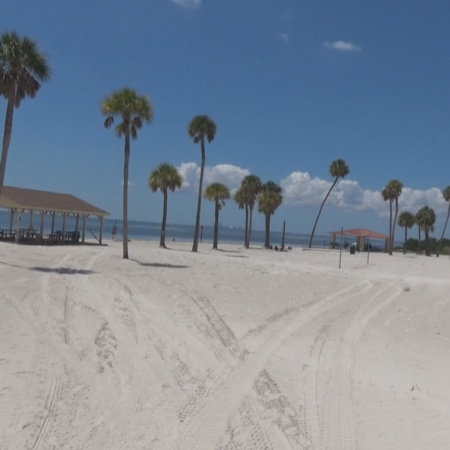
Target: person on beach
(114, 231)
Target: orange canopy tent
(360, 234)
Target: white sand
(232, 349)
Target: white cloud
(302, 190)
(342, 46)
(284, 37)
(188, 3)
(231, 176)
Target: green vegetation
(22, 70)
(391, 193)
(218, 193)
(132, 109)
(199, 128)
(164, 178)
(269, 200)
(425, 219)
(406, 220)
(338, 169)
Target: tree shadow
(63, 270)
(165, 265)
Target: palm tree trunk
(250, 220)
(216, 225)
(246, 226)
(394, 223)
(267, 240)
(7, 135)
(390, 227)
(443, 232)
(162, 240)
(320, 211)
(406, 239)
(199, 200)
(427, 246)
(125, 195)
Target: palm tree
(164, 178)
(391, 193)
(22, 70)
(338, 169)
(252, 187)
(239, 198)
(425, 219)
(406, 220)
(199, 128)
(218, 193)
(269, 200)
(446, 195)
(132, 109)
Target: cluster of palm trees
(425, 217)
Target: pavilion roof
(359, 232)
(35, 200)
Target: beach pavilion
(19, 201)
(361, 236)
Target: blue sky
(292, 85)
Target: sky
(292, 85)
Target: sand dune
(222, 350)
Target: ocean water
(140, 230)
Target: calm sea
(151, 231)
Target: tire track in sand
(329, 408)
(208, 421)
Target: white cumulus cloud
(188, 3)
(231, 176)
(342, 46)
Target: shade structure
(19, 200)
(360, 235)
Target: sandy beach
(222, 350)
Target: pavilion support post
(31, 218)
(19, 218)
(53, 214)
(77, 221)
(64, 228)
(41, 225)
(101, 230)
(83, 232)
(11, 218)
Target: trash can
(352, 249)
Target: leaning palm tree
(164, 178)
(425, 219)
(446, 195)
(268, 201)
(218, 193)
(391, 193)
(252, 187)
(406, 220)
(199, 128)
(239, 198)
(132, 109)
(338, 169)
(22, 70)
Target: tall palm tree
(239, 198)
(252, 187)
(406, 220)
(132, 109)
(425, 219)
(22, 70)
(338, 169)
(218, 193)
(446, 195)
(269, 200)
(199, 128)
(391, 193)
(164, 178)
